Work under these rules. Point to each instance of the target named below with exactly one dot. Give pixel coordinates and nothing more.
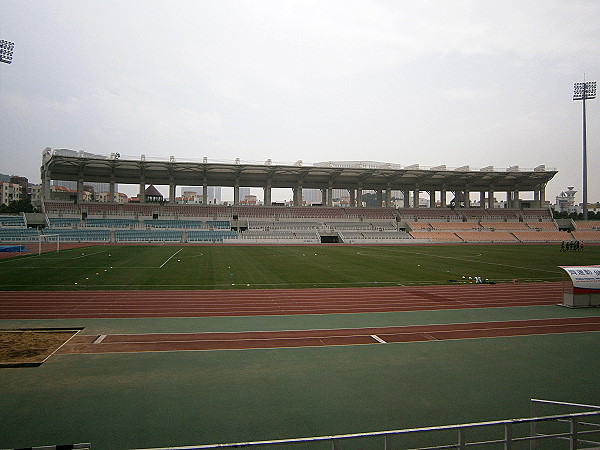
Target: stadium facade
(353, 176)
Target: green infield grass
(264, 267)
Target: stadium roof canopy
(78, 166)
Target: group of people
(571, 246)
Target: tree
(18, 206)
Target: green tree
(18, 206)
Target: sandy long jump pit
(31, 347)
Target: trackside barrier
(577, 428)
(59, 447)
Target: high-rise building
(213, 193)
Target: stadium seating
(148, 236)
(299, 225)
(453, 226)
(471, 214)
(507, 226)
(436, 236)
(221, 224)
(63, 221)
(156, 222)
(172, 223)
(587, 225)
(373, 237)
(210, 235)
(258, 211)
(80, 235)
(111, 223)
(537, 214)
(12, 221)
(196, 211)
(586, 235)
(550, 226)
(17, 234)
(60, 208)
(542, 236)
(370, 213)
(420, 214)
(503, 214)
(486, 236)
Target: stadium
(299, 326)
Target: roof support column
(111, 186)
(172, 191)
(352, 197)
(330, 194)
(542, 195)
(142, 193)
(443, 197)
(467, 197)
(432, 198)
(379, 194)
(482, 199)
(490, 199)
(267, 194)
(204, 190)
(406, 195)
(517, 200)
(359, 195)
(388, 195)
(416, 194)
(298, 194)
(80, 188)
(46, 179)
(236, 191)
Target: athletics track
(263, 302)
(170, 304)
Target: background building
(9, 192)
(213, 196)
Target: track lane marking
(378, 339)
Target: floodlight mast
(584, 91)
(6, 51)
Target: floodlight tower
(584, 91)
(6, 51)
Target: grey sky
(410, 82)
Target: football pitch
(109, 267)
(148, 398)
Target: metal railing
(579, 428)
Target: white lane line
(99, 339)
(169, 259)
(378, 339)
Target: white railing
(579, 426)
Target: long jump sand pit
(31, 347)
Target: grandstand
(520, 221)
(256, 224)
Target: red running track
(121, 343)
(254, 302)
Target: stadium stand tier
(12, 221)
(17, 234)
(80, 234)
(157, 222)
(587, 225)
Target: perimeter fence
(575, 430)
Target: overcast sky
(456, 82)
